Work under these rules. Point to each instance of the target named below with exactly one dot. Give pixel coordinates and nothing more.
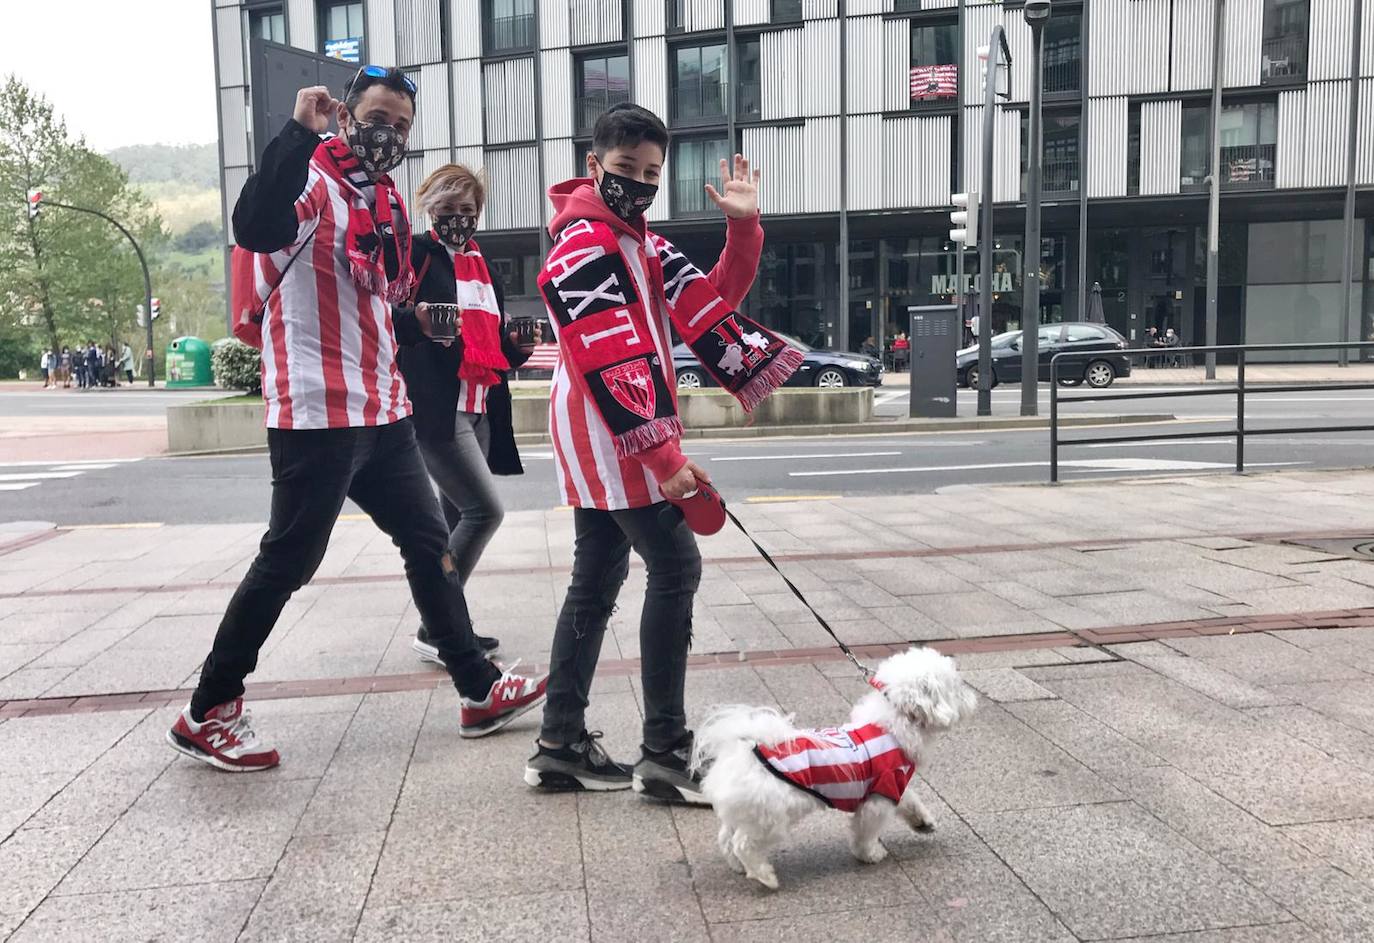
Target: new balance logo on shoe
(225, 740)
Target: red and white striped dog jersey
(842, 766)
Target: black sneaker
(428, 652)
(669, 776)
(583, 765)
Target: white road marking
(778, 458)
(18, 486)
(54, 463)
(38, 476)
(83, 467)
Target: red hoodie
(590, 473)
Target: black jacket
(431, 370)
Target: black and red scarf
(607, 345)
(378, 239)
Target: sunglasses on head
(380, 72)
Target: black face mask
(455, 229)
(380, 148)
(627, 198)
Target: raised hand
(738, 196)
(314, 108)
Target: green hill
(182, 181)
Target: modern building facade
(865, 116)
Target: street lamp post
(996, 48)
(1037, 13)
(1214, 193)
(143, 262)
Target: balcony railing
(786, 11)
(697, 103)
(689, 196)
(1283, 59)
(1248, 165)
(590, 107)
(506, 33)
(1133, 175)
(749, 100)
(1061, 77)
(1059, 176)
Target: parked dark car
(825, 368)
(1099, 369)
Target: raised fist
(314, 108)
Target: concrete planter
(716, 409)
(214, 427)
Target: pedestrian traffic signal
(965, 219)
(157, 308)
(35, 203)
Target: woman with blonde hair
(458, 390)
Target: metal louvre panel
(863, 149)
(467, 103)
(381, 32)
(780, 65)
(1292, 129)
(821, 79)
(431, 114)
(1129, 39)
(916, 158)
(651, 74)
(1192, 45)
(1019, 39)
(1332, 30)
(1367, 41)
(234, 179)
(823, 151)
(1325, 137)
(1161, 146)
(855, 7)
(1150, 30)
(747, 12)
(466, 28)
(865, 61)
(978, 24)
(1006, 171)
(513, 195)
(939, 4)
(896, 65)
(1364, 156)
(234, 132)
(972, 144)
(780, 153)
(595, 21)
(1243, 34)
(705, 14)
(508, 90)
(418, 35)
(1107, 121)
(300, 24)
(650, 15)
(558, 166)
(820, 9)
(557, 78)
(231, 45)
(554, 23)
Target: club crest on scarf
(632, 386)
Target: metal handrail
(1239, 390)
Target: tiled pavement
(1175, 742)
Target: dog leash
(848, 652)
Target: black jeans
(313, 471)
(601, 560)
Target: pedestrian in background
(45, 366)
(126, 362)
(92, 365)
(458, 390)
(901, 353)
(65, 366)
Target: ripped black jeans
(601, 560)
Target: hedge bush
(237, 366)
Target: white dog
(763, 775)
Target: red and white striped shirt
(328, 347)
(842, 766)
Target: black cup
(443, 322)
(524, 331)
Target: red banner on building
(934, 81)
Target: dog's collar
(877, 685)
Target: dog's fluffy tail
(739, 723)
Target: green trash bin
(188, 363)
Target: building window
(268, 23)
(1059, 168)
(1063, 54)
(749, 85)
(1249, 133)
(1194, 164)
(700, 84)
(580, 151)
(934, 64)
(1132, 151)
(1283, 54)
(695, 163)
(602, 81)
(507, 26)
(786, 11)
(341, 30)
(675, 17)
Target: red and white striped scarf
(378, 241)
(482, 355)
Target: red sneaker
(510, 696)
(226, 740)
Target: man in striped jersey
(333, 253)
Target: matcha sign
(1002, 283)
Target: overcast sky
(79, 53)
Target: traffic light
(157, 308)
(965, 219)
(35, 203)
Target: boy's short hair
(627, 124)
(395, 79)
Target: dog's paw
(734, 864)
(924, 826)
(767, 877)
(870, 854)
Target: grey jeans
(460, 470)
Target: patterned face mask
(455, 229)
(380, 148)
(627, 198)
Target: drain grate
(1355, 547)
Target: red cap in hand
(704, 509)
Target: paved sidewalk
(1258, 373)
(1176, 734)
